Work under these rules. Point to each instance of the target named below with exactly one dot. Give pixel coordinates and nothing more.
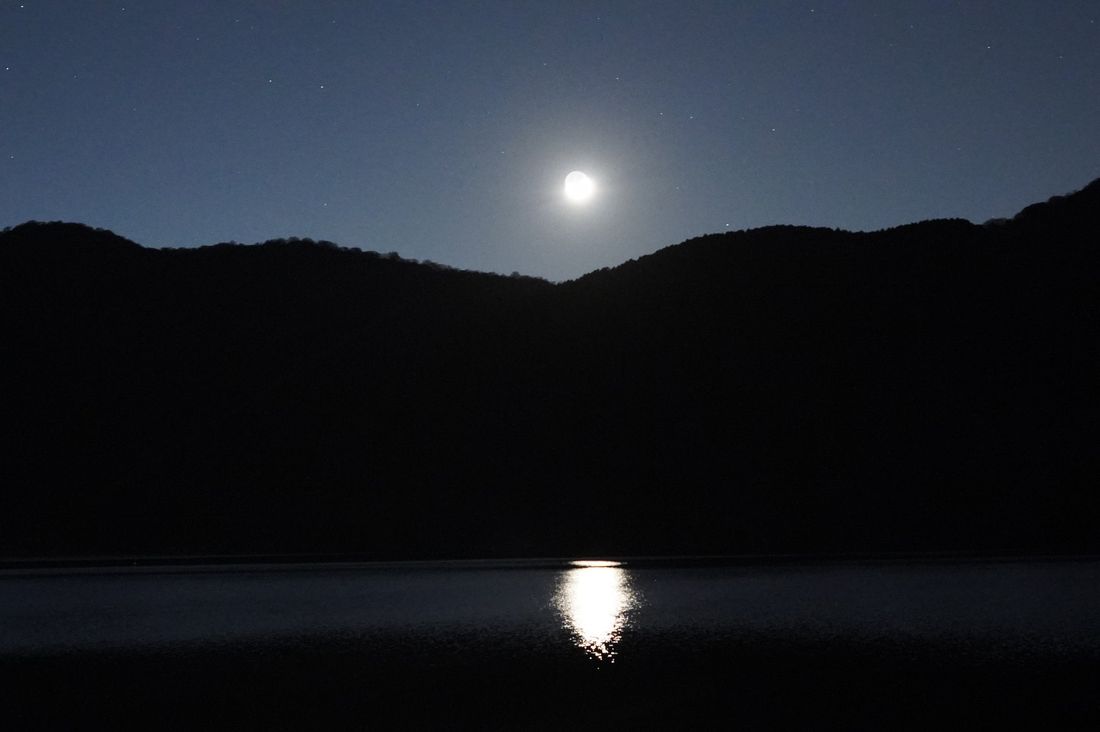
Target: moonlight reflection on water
(595, 600)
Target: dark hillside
(928, 387)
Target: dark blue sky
(444, 130)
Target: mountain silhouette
(931, 387)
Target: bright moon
(579, 187)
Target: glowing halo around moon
(579, 188)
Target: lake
(554, 644)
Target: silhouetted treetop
(56, 234)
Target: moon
(579, 188)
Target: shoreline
(313, 562)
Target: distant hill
(787, 389)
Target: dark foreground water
(550, 645)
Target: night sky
(444, 130)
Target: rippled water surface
(1027, 607)
(686, 625)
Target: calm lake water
(556, 644)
